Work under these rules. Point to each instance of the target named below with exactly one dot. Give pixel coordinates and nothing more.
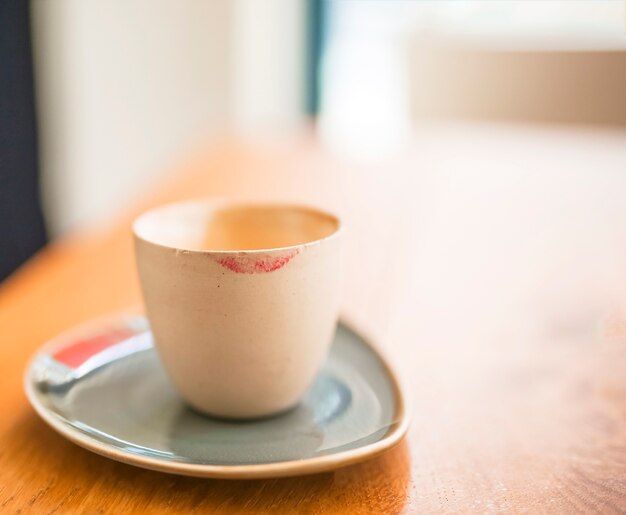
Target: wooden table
(490, 261)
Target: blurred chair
(579, 87)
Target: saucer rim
(306, 466)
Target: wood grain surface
(490, 262)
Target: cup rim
(227, 203)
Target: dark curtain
(21, 223)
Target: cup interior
(206, 226)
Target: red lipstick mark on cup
(250, 265)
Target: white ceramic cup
(242, 299)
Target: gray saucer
(103, 387)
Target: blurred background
(97, 97)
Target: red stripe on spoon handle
(76, 353)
